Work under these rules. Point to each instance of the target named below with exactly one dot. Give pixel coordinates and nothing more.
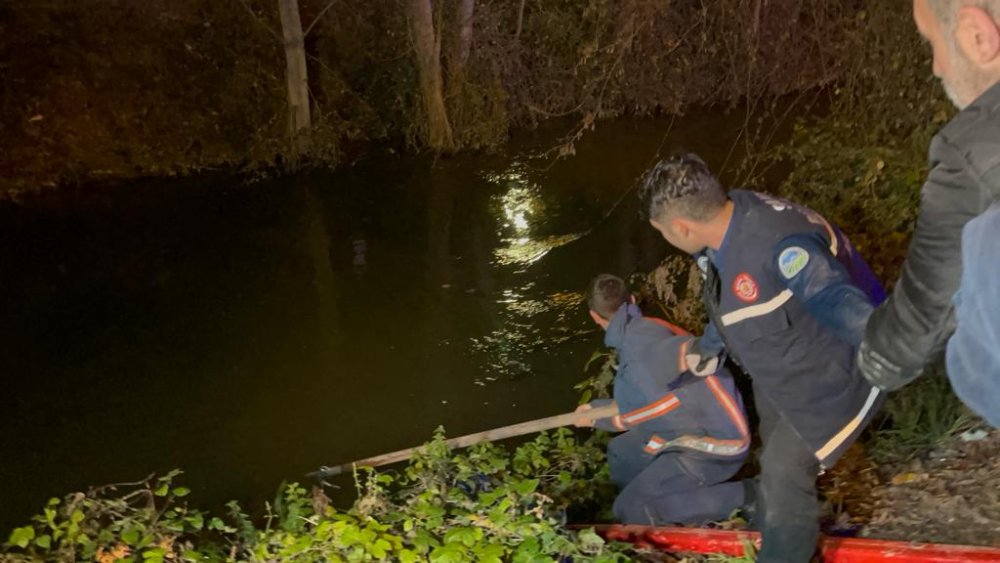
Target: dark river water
(250, 333)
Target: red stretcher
(833, 549)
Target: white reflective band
(832, 234)
(662, 406)
(714, 447)
(849, 428)
(758, 310)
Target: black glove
(700, 362)
(882, 373)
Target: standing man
(950, 273)
(787, 298)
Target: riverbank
(107, 91)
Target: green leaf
(50, 517)
(44, 541)
(196, 521)
(424, 541)
(590, 541)
(182, 492)
(77, 516)
(22, 536)
(465, 535)
(527, 552)
(131, 536)
(162, 490)
(489, 553)
(449, 553)
(526, 486)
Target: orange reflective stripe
(654, 444)
(673, 328)
(681, 352)
(651, 411)
(616, 421)
(727, 402)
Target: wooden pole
(501, 433)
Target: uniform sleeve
(651, 363)
(824, 285)
(915, 322)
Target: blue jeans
(973, 358)
(674, 487)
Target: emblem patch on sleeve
(792, 260)
(745, 288)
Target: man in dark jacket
(787, 297)
(682, 436)
(950, 271)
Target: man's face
(963, 79)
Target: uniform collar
(717, 256)
(614, 336)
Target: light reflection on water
(533, 321)
(521, 210)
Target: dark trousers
(787, 507)
(675, 487)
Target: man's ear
(681, 226)
(599, 319)
(977, 35)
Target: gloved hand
(881, 372)
(701, 362)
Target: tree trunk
(295, 57)
(427, 45)
(466, 14)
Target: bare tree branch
(317, 18)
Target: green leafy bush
(482, 504)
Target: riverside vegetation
(861, 163)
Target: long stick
(518, 429)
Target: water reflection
(521, 210)
(529, 321)
(303, 320)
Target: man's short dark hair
(606, 294)
(682, 186)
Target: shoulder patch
(792, 260)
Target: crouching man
(788, 298)
(682, 436)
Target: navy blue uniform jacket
(659, 398)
